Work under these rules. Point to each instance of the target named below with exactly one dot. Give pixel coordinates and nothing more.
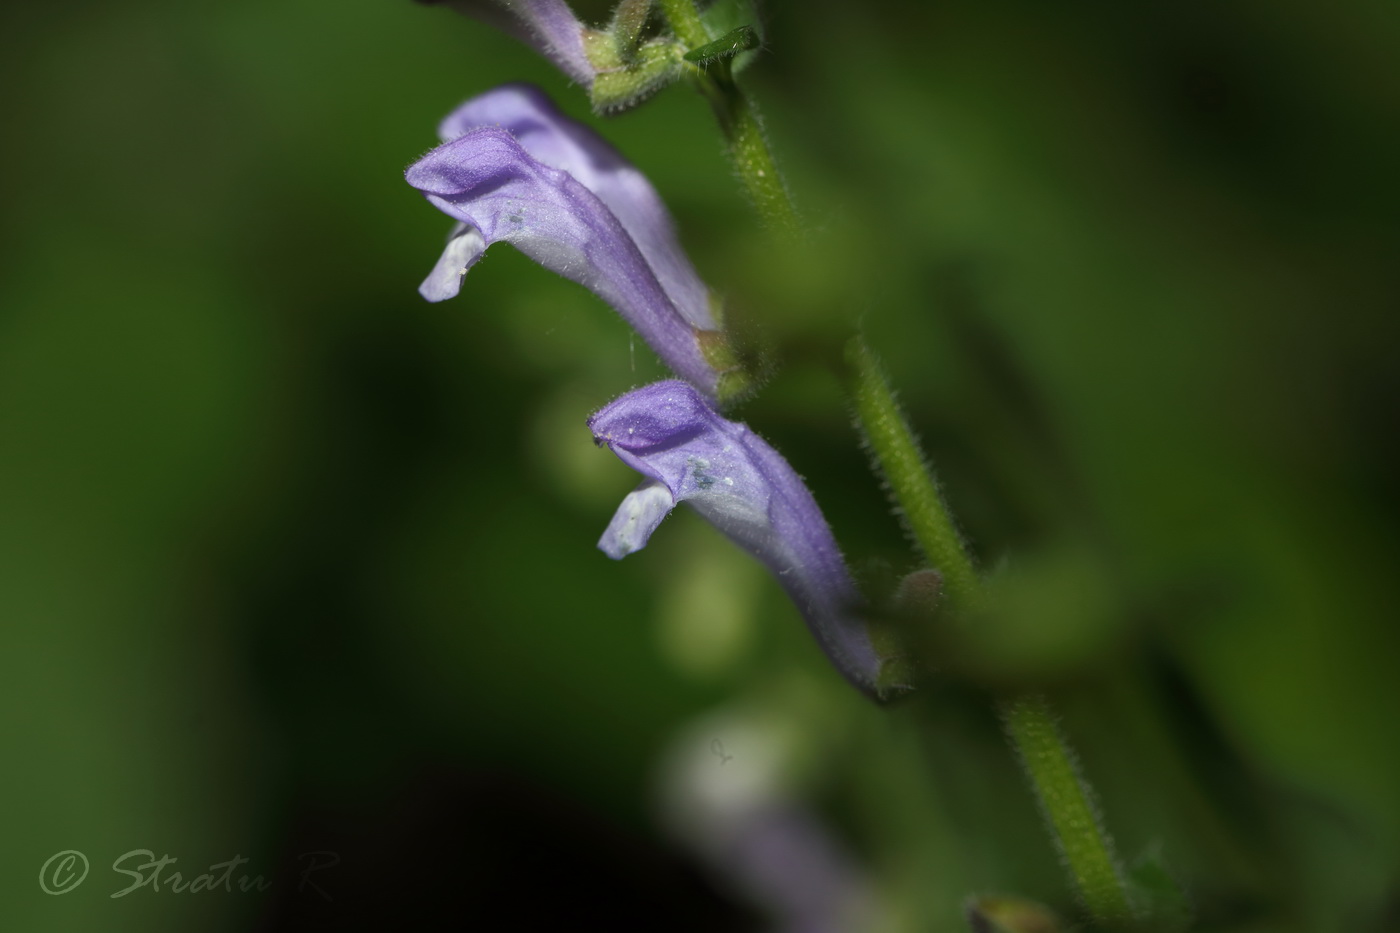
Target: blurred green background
(291, 560)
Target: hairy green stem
(1067, 802)
(739, 121)
(1064, 795)
(685, 21)
(910, 480)
(748, 149)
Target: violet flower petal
(488, 181)
(560, 142)
(688, 453)
(550, 26)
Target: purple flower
(547, 25)
(688, 453)
(514, 169)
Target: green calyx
(734, 379)
(629, 70)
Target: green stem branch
(739, 121)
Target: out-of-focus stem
(911, 481)
(1065, 797)
(1067, 802)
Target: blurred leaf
(1157, 894)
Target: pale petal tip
(636, 518)
(460, 254)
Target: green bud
(1009, 915)
(918, 594)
